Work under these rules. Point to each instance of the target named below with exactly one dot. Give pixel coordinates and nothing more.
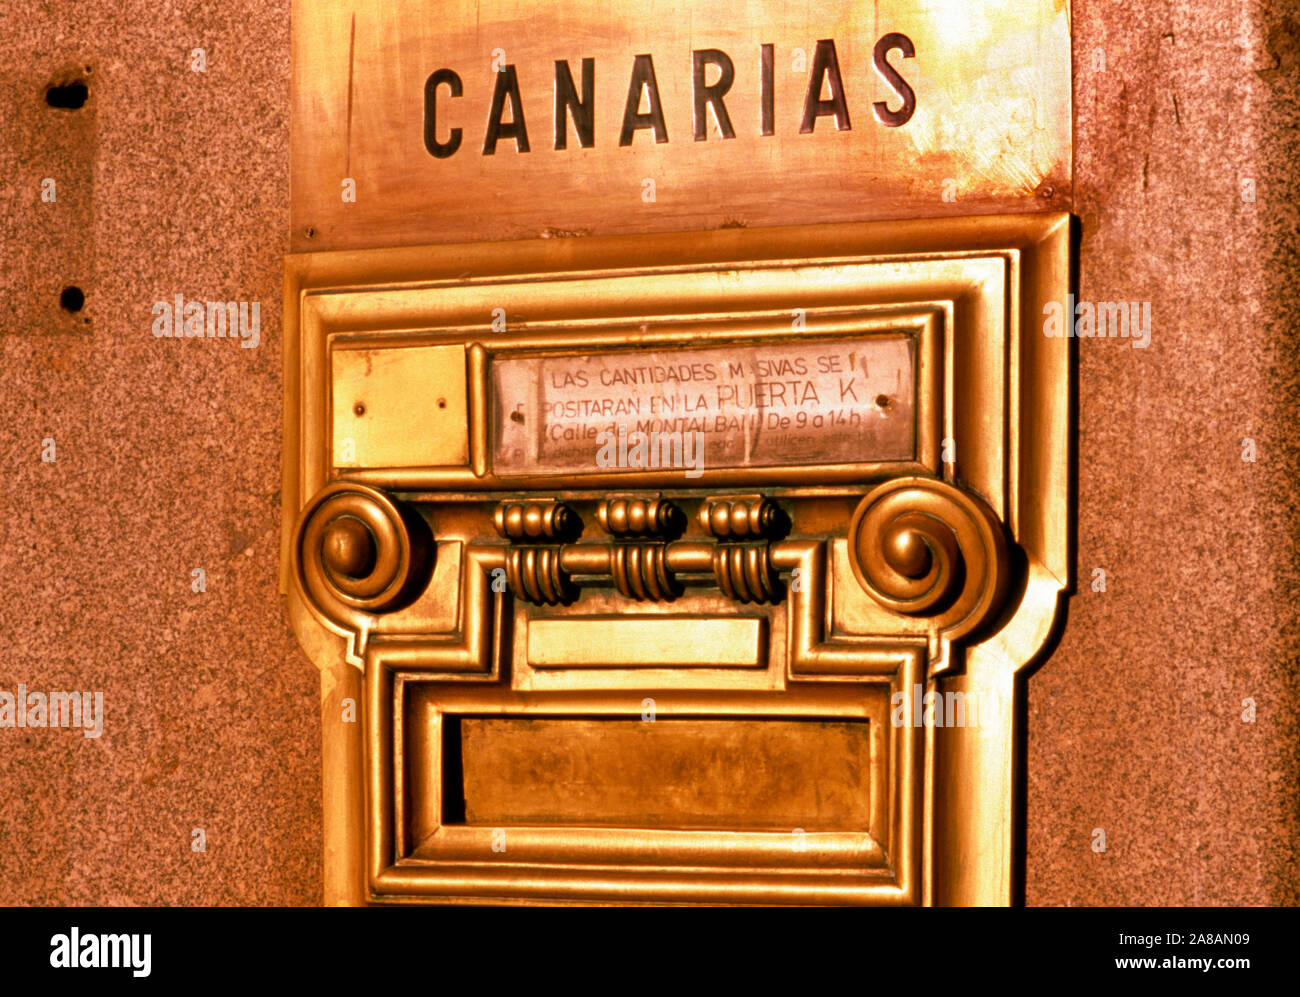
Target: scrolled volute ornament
(924, 548)
(358, 553)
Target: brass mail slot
(667, 773)
(599, 680)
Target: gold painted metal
(495, 628)
(990, 131)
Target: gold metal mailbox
(678, 568)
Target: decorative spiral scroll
(744, 572)
(637, 517)
(740, 518)
(531, 520)
(358, 553)
(640, 572)
(534, 575)
(922, 547)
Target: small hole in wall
(72, 299)
(68, 96)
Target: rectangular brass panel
(668, 773)
(400, 407)
(645, 642)
(746, 405)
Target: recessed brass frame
(971, 291)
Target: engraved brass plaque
(829, 400)
(438, 121)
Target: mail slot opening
(667, 773)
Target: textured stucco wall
(175, 182)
